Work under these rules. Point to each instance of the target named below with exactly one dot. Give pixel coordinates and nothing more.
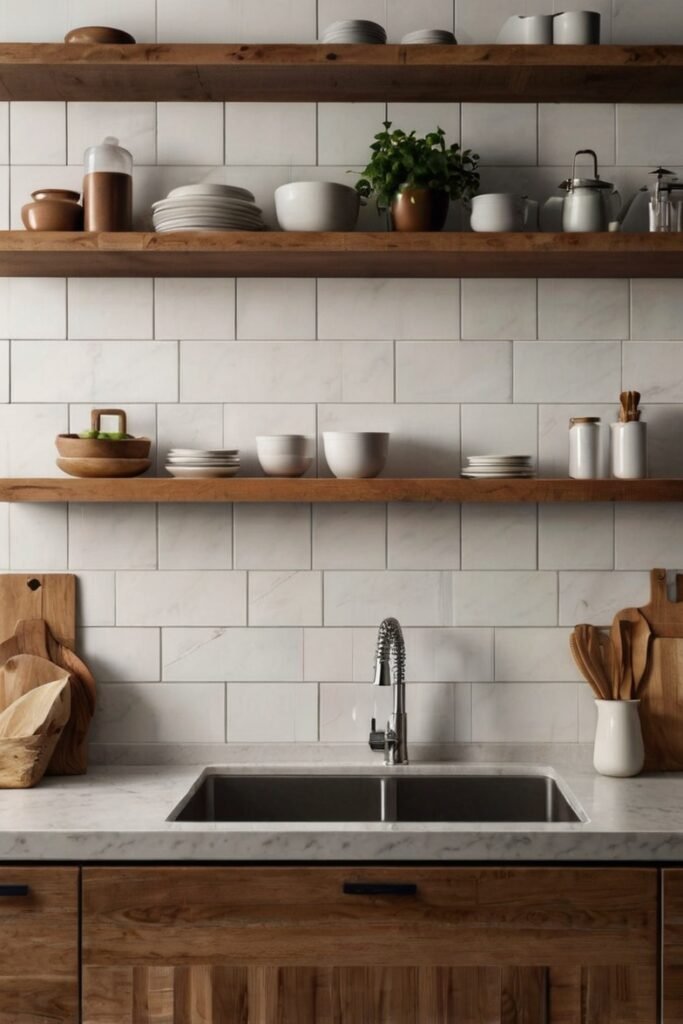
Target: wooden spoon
(579, 650)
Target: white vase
(618, 747)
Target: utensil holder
(629, 450)
(618, 749)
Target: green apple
(88, 435)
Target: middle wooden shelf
(353, 254)
(317, 489)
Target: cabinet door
(672, 931)
(38, 945)
(408, 945)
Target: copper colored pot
(54, 209)
(98, 34)
(419, 209)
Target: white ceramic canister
(584, 445)
(629, 450)
(618, 749)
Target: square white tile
(499, 536)
(494, 309)
(38, 133)
(195, 308)
(270, 133)
(190, 134)
(272, 713)
(423, 536)
(196, 537)
(285, 598)
(272, 536)
(349, 536)
(110, 307)
(276, 308)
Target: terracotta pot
(419, 209)
(98, 34)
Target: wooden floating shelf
(308, 72)
(264, 489)
(352, 254)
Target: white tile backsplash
(232, 601)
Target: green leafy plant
(402, 160)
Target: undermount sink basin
(375, 798)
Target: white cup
(577, 28)
(629, 450)
(503, 211)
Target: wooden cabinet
(39, 945)
(410, 945)
(672, 951)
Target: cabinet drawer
(351, 916)
(38, 945)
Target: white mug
(578, 28)
(502, 211)
(629, 450)
(536, 29)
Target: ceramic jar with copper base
(419, 209)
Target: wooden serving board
(51, 597)
(661, 709)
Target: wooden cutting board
(661, 708)
(51, 597)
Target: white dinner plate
(212, 189)
(210, 202)
(204, 451)
(202, 472)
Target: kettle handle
(586, 152)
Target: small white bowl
(284, 465)
(355, 456)
(284, 444)
(316, 206)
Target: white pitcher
(618, 750)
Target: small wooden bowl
(98, 34)
(71, 446)
(104, 467)
(30, 729)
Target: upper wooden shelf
(353, 254)
(173, 71)
(314, 489)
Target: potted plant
(415, 179)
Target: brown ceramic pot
(54, 209)
(98, 34)
(419, 209)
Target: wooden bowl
(98, 34)
(71, 446)
(30, 729)
(100, 467)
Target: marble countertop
(119, 813)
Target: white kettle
(590, 204)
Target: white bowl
(316, 206)
(284, 444)
(284, 465)
(355, 456)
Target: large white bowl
(355, 456)
(316, 206)
(284, 444)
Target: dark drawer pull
(14, 890)
(379, 889)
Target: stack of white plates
(207, 207)
(354, 31)
(430, 37)
(203, 462)
(492, 466)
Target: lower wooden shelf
(265, 489)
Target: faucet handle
(376, 738)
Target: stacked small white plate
(495, 466)
(430, 37)
(354, 31)
(207, 207)
(203, 462)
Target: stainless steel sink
(374, 798)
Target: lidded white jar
(584, 446)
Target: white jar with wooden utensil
(618, 749)
(629, 440)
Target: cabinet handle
(14, 890)
(379, 889)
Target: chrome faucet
(390, 670)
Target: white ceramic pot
(618, 747)
(284, 465)
(316, 206)
(629, 450)
(355, 456)
(577, 28)
(502, 211)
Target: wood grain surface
(285, 946)
(312, 489)
(49, 596)
(339, 254)
(39, 947)
(223, 71)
